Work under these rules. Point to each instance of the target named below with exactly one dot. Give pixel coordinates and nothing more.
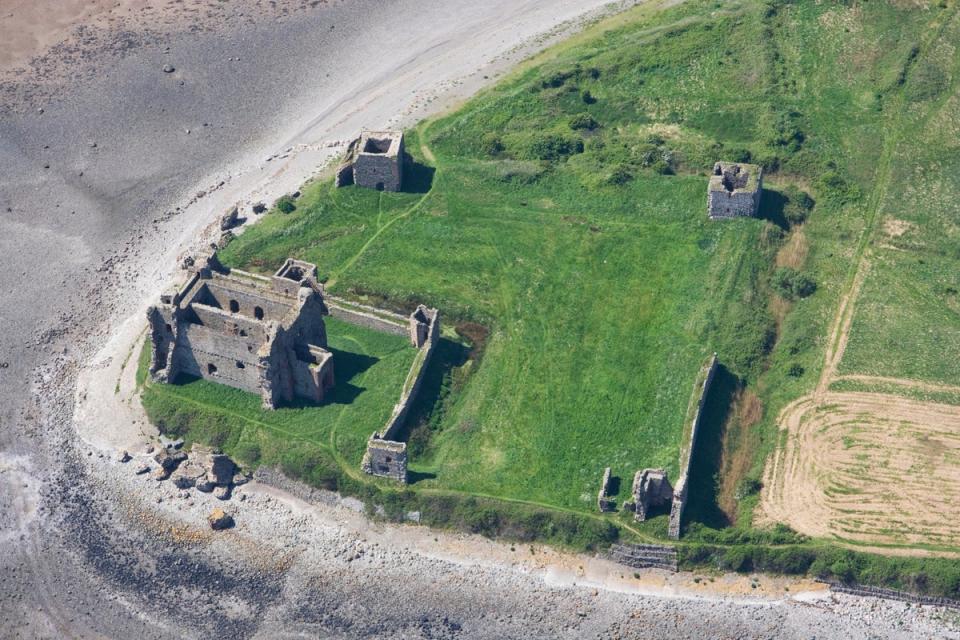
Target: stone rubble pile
(203, 468)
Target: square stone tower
(734, 190)
(375, 161)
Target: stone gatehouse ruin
(375, 161)
(259, 334)
(734, 190)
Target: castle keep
(734, 190)
(375, 161)
(263, 335)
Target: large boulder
(229, 219)
(168, 459)
(220, 519)
(187, 475)
(220, 469)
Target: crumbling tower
(375, 161)
(734, 190)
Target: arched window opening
(234, 306)
(211, 368)
(258, 313)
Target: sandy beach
(110, 169)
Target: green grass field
(564, 210)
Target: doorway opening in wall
(234, 306)
(379, 186)
(240, 365)
(211, 368)
(258, 313)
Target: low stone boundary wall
(702, 387)
(275, 478)
(645, 556)
(893, 594)
(369, 317)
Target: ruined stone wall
(686, 449)
(723, 204)
(219, 294)
(411, 386)
(162, 324)
(250, 331)
(386, 459)
(305, 383)
(603, 503)
(198, 347)
(355, 314)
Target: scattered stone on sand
(239, 479)
(168, 68)
(123, 456)
(142, 469)
(259, 207)
(220, 519)
(160, 473)
(222, 493)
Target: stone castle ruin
(375, 161)
(268, 336)
(734, 190)
(651, 489)
(262, 335)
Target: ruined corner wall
(385, 456)
(723, 204)
(386, 459)
(686, 449)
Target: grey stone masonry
(651, 488)
(604, 504)
(645, 556)
(385, 458)
(734, 190)
(365, 316)
(375, 161)
(262, 335)
(699, 396)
